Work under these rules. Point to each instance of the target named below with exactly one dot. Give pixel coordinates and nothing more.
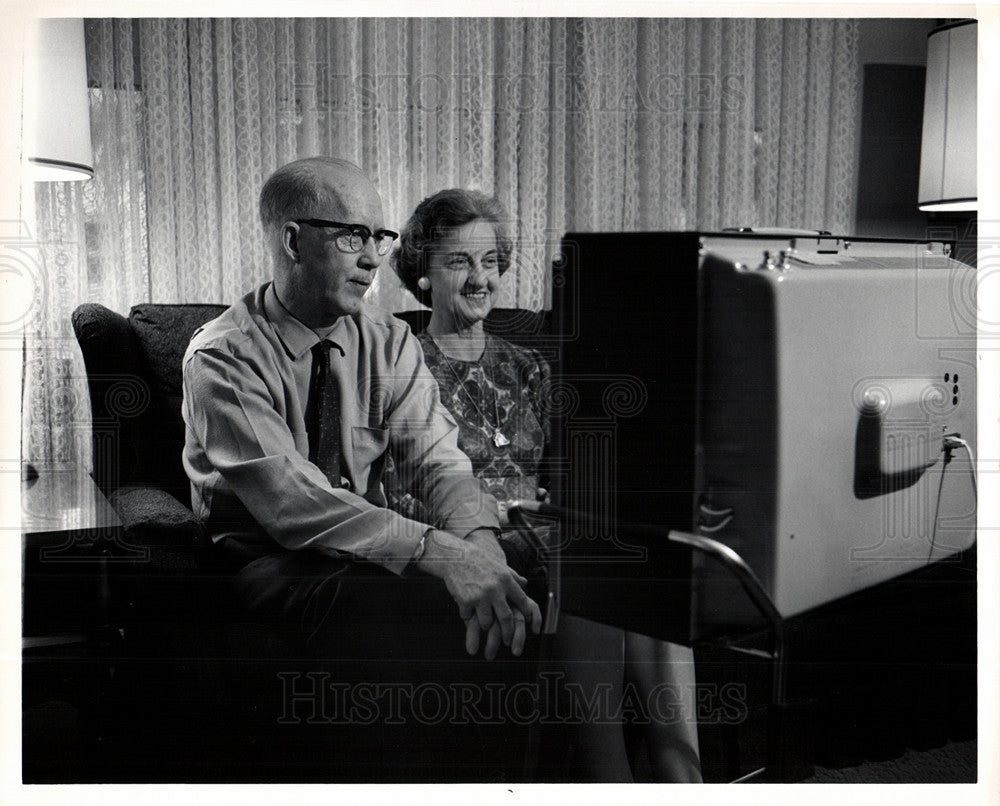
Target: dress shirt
(246, 384)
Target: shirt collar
(296, 337)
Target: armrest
(157, 523)
(162, 570)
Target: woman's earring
(423, 284)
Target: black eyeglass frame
(382, 246)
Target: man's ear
(290, 240)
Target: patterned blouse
(505, 387)
(505, 390)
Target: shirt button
(345, 484)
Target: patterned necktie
(323, 415)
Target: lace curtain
(576, 125)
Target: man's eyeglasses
(355, 236)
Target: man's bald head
(315, 187)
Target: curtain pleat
(206, 198)
(575, 124)
(845, 110)
(534, 251)
(768, 42)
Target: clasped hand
(490, 595)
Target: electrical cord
(937, 505)
(952, 442)
(705, 509)
(705, 529)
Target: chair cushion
(417, 320)
(518, 325)
(120, 393)
(163, 333)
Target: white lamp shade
(59, 146)
(948, 146)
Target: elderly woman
(452, 254)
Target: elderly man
(292, 399)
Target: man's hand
(490, 595)
(487, 539)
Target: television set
(806, 399)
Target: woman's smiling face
(464, 273)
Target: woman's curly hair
(433, 219)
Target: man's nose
(368, 257)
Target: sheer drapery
(575, 124)
(56, 427)
(585, 125)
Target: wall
(892, 62)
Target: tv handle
(520, 513)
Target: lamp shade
(59, 147)
(948, 145)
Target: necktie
(323, 415)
